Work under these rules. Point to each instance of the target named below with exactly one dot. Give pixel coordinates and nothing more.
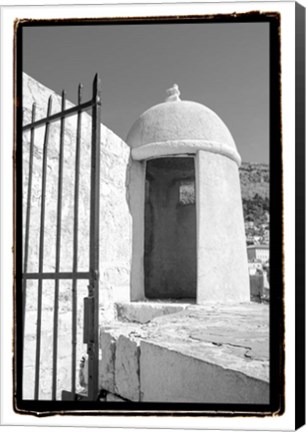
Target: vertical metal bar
(41, 252)
(75, 245)
(58, 247)
(27, 221)
(93, 289)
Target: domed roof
(175, 124)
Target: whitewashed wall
(115, 233)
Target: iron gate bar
(54, 117)
(93, 289)
(28, 217)
(59, 275)
(41, 250)
(75, 243)
(58, 246)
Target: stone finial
(173, 93)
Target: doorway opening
(170, 257)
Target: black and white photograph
(146, 212)
(149, 215)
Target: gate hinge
(88, 329)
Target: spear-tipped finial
(49, 109)
(173, 94)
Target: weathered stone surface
(109, 335)
(231, 336)
(107, 365)
(212, 341)
(127, 369)
(143, 312)
(169, 376)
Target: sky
(224, 66)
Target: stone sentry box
(186, 248)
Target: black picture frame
(277, 307)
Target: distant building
(257, 239)
(249, 240)
(266, 236)
(254, 266)
(258, 252)
(249, 224)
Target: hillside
(254, 179)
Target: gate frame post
(94, 244)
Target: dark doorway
(170, 229)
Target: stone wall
(115, 233)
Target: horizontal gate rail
(54, 117)
(59, 275)
(90, 333)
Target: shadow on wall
(170, 254)
(164, 257)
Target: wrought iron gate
(91, 301)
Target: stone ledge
(229, 341)
(168, 375)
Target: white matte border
(8, 15)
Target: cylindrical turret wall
(221, 244)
